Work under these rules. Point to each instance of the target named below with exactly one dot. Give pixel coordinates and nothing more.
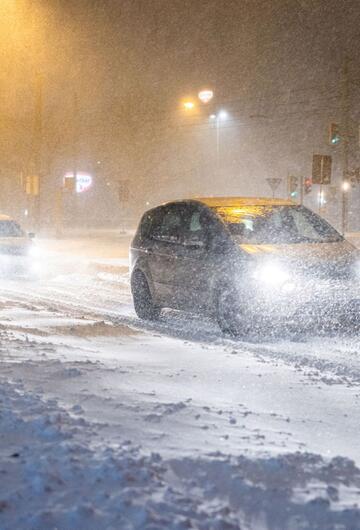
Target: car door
(166, 244)
(194, 262)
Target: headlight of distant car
(272, 274)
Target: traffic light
(293, 186)
(307, 185)
(334, 134)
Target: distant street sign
(321, 169)
(79, 181)
(274, 183)
(83, 182)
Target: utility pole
(302, 186)
(75, 135)
(75, 154)
(345, 145)
(38, 146)
(218, 144)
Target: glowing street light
(346, 185)
(189, 105)
(205, 95)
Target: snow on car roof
(243, 201)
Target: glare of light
(26, 213)
(271, 275)
(321, 198)
(38, 267)
(189, 105)
(205, 95)
(35, 252)
(147, 203)
(84, 181)
(212, 116)
(346, 185)
(288, 287)
(222, 115)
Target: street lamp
(189, 105)
(205, 96)
(221, 116)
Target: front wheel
(231, 317)
(143, 302)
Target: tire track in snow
(320, 359)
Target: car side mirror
(31, 235)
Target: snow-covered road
(217, 433)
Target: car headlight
(271, 275)
(34, 252)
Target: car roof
(233, 202)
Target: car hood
(324, 256)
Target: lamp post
(345, 188)
(221, 116)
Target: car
(16, 247)
(244, 261)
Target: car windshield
(277, 225)
(10, 229)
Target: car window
(277, 224)
(302, 225)
(201, 226)
(148, 222)
(171, 227)
(195, 224)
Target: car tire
(143, 302)
(230, 315)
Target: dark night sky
(141, 56)
(131, 61)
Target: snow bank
(57, 473)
